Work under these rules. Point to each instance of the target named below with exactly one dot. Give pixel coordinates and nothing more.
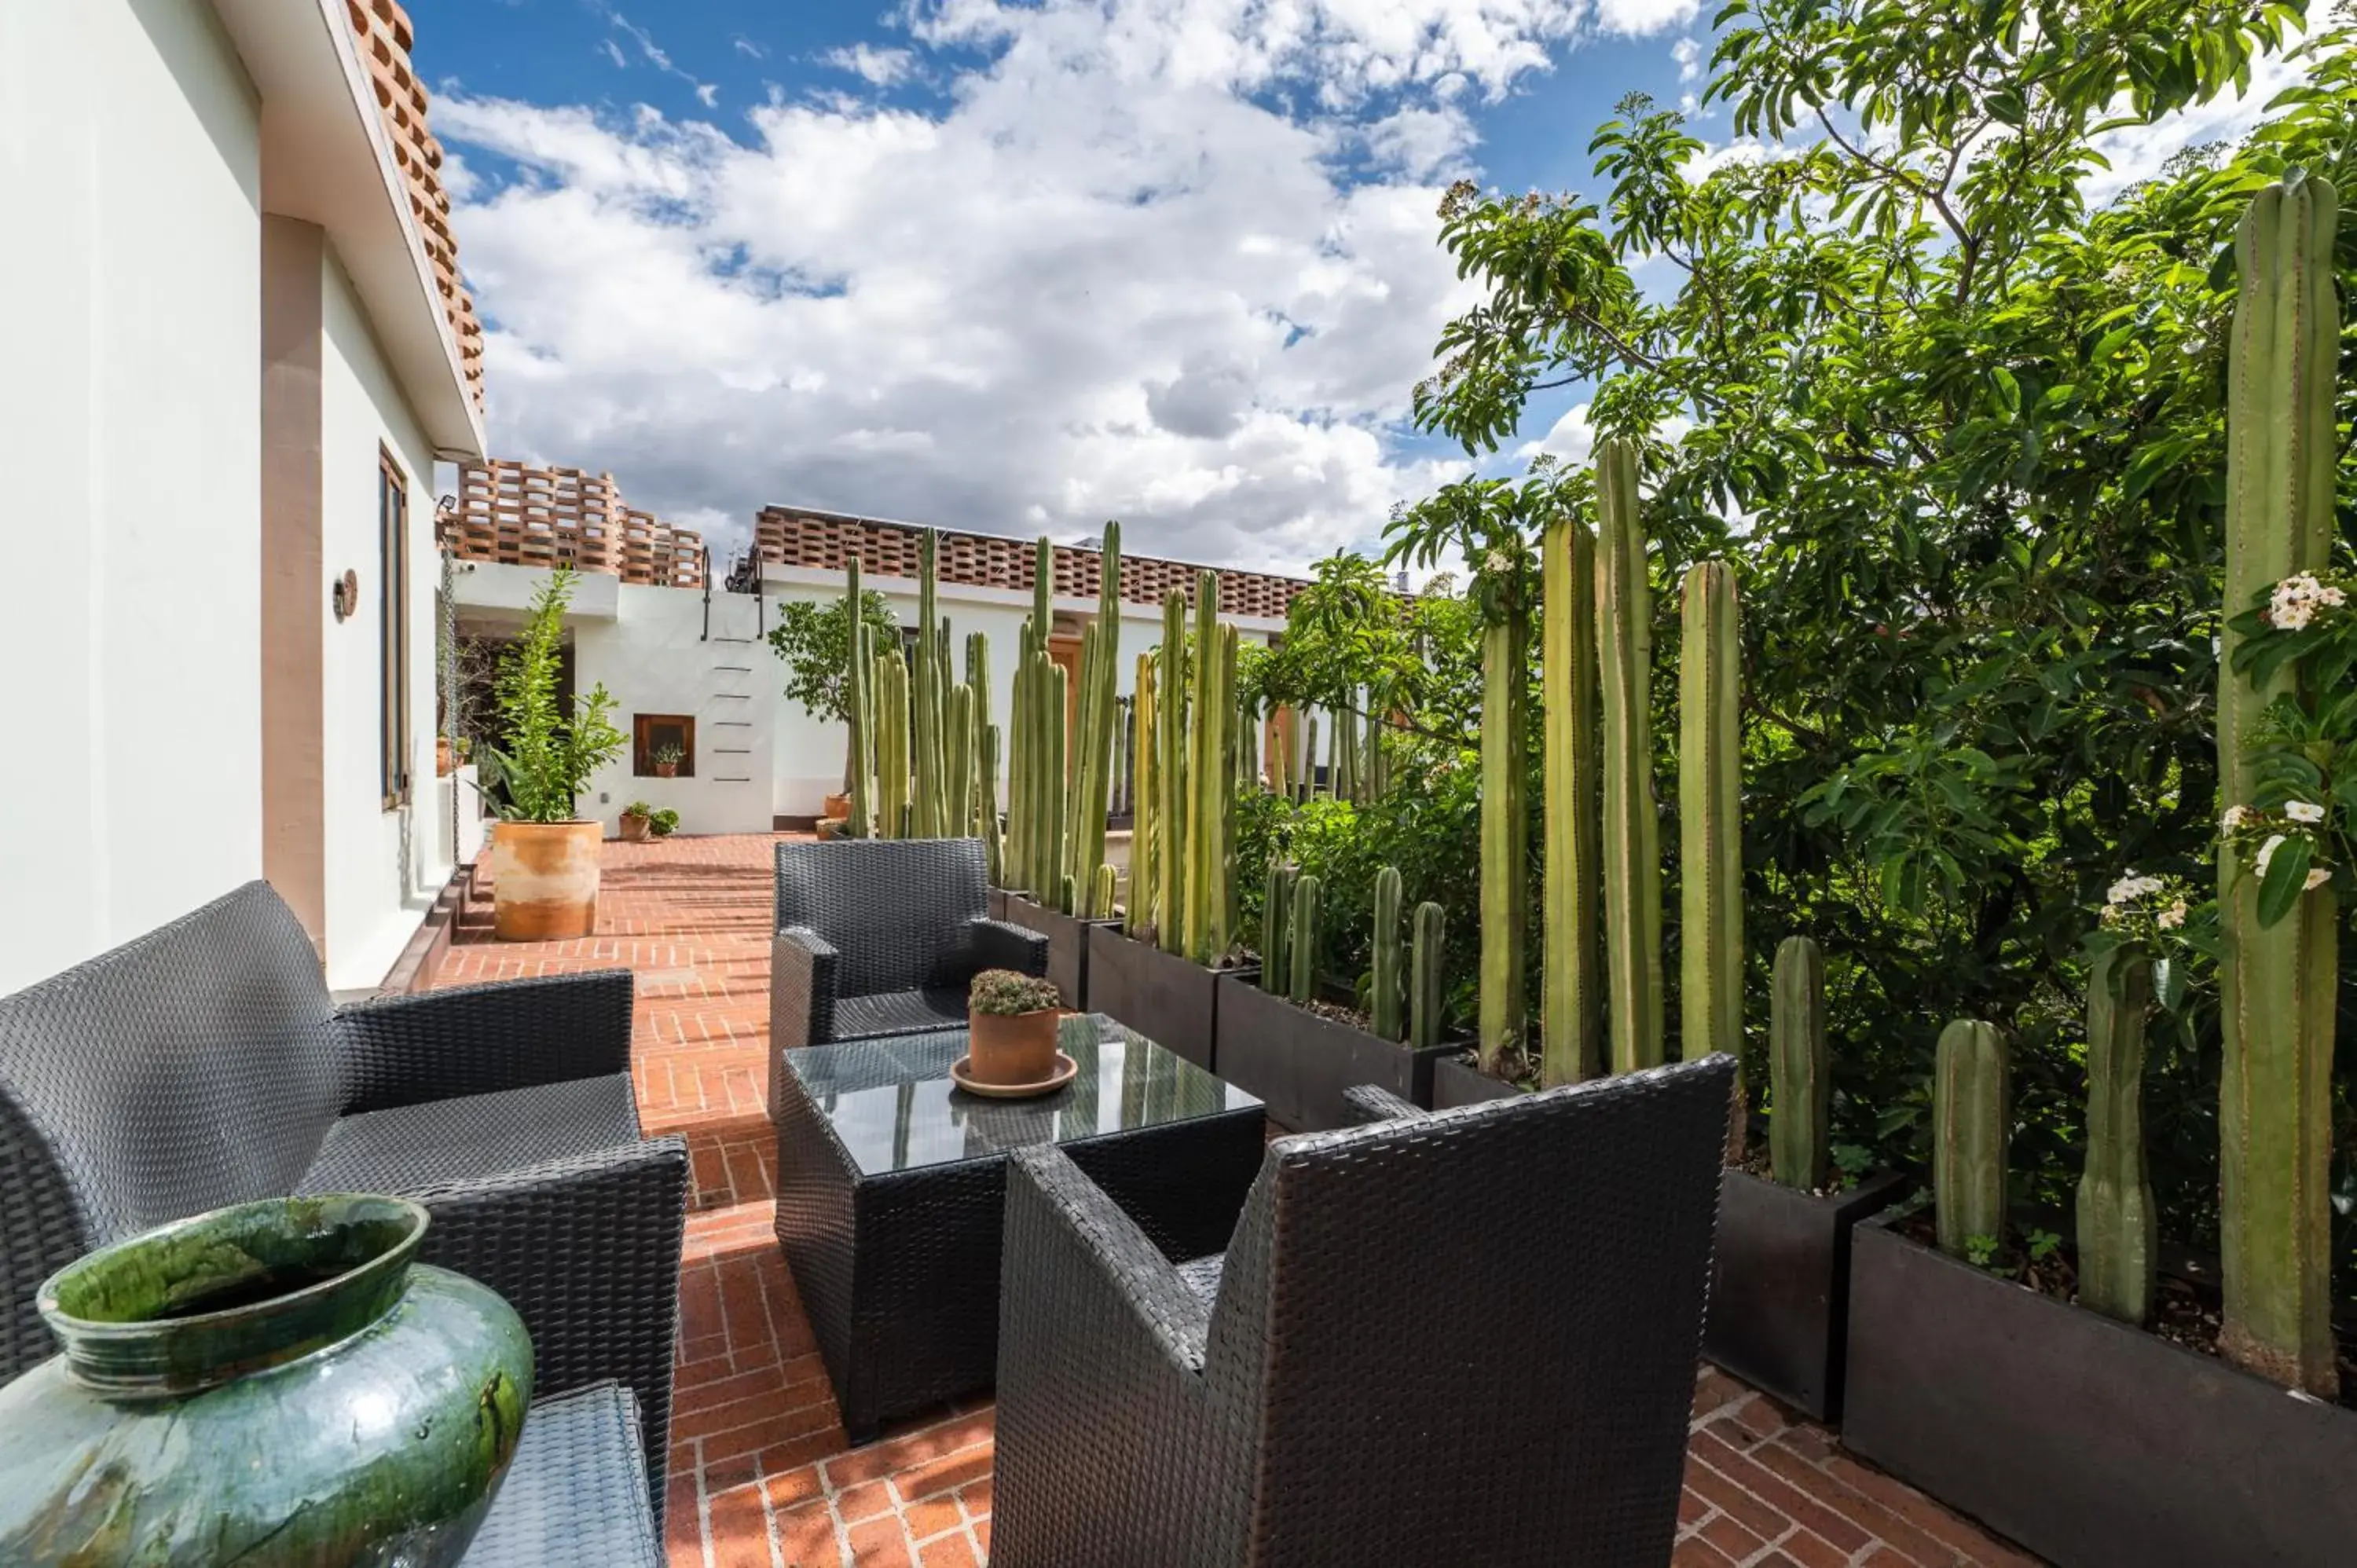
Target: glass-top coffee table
(891, 1181)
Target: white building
(236, 346)
(694, 661)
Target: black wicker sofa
(203, 1064)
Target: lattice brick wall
(525, 516)
(383, 31)
(827, 543)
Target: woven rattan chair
(1439, 1341)
(203, 1065)
(879, 937)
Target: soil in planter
(2185, 1312)
(1518, 1067)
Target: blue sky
(1009, 265)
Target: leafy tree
(546, 755)
(813, 637)
(1961, 431)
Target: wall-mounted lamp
(345, 596)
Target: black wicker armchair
(879, 937)
(203, 1065)
(1434, 1341)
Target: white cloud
(614, 52)
(1117, 274)
(655, 55)
(1687, 52)
(879, 68)
(748, 49)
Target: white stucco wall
(382, 867)
(130, 433)
(810, 750)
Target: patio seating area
(760, 1469)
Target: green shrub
(665, 822)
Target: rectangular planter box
(998, 902)
(2091, 1443)
(1457, 1082)
(1780, 1286)
(1170, 999)
(1068, 946)
(1299, 1064)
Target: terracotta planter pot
(545, 880)
(838, 808)
(1012, 1048)
(636, 828)
(666, 769)
(445, 760)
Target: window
(662, 745)
(393, 603)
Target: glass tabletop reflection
(894, 1106)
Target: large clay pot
(635, 827)
(269, 1385)
(838, 809)
(1012, 1048)
(545, 880)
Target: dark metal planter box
(998, 897)
(2091, 1443)
(1171, 1001)
(1780, 1286)
(1299, 1064)
(1068, 948)
(1457, 1082)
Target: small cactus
(1107, 884)
(1425, 995)
(2117, 1227)
(1971, 1108)
(1303, 938)
(1275, 909)
(1145, 829)
(1175, 754)
(1390, 987)
(1797, 1066)
(1632, 854)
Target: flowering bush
(2296, 833)
(1002, 993)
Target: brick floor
(761, 1471)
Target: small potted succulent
(638, 822)
(1012, 1020)
(668, 756)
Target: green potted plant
(665, 822)
(1012, 1020)
(544, 853)
(638, 822)
(667, 758)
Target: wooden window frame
(394, 741)
(643, 743)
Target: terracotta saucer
(1066, 1069)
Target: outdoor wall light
(346, 595)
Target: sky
(1014, 265)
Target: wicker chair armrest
(475, 1039)
(802, 988)
(586, 1249)
(1001, 944)
(1084, 1269)
(1363, 1104)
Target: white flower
(2267, 854)
(2302, 812)
(2318, 879)
(2292, 616)
(2168, 919)
(2239, 817)
(2332, 597)
(1499, 561)
(2131, 886)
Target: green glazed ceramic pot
(268, 1385)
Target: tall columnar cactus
(926, 757)
(1173, 752)
(1302, 947)
(1210, 776)
(1055, 704)
(985, 755)
(862, 740)
(1710, 819)
(1971, 1111)
(1425, 996)
(1247, 748)
(957, 764)
(1800, 1078)
(892, 775)
(1390, 981)
(2118, 1224)
(1632, 853)
(1276, 913)
(1346, 749)
(1505, 875)
(1572, 1033)
(1102, 902)
(2278, 985)
(1092, 774)
(1145, 824)
(1310, 756)
(1121, 756)
(1232, 901)
(1280, 754)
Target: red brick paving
(761, 1475)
